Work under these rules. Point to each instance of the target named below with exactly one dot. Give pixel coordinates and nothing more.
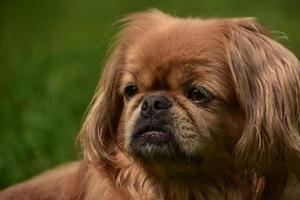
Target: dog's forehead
(163, 57)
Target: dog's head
(191, 95)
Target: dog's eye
(199, 95)
(130, 91)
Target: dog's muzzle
(152, 136)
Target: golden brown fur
(244, 144)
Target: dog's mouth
(153, 135)
(152, 142)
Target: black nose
(154, 104)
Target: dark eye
(130, 91)
(199, 95)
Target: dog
(186, 108)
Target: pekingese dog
(186, 109)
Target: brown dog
(186, 109)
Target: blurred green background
(51, 52)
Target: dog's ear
(97, 132)
(267, 82)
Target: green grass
(51, 53)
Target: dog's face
(178, 97)
(192, 95)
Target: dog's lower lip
(155, 136)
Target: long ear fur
(99, 127)
(267, 81)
